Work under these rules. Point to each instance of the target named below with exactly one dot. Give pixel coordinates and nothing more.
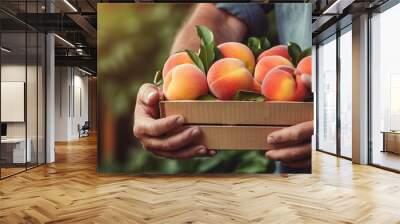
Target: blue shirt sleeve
(252, 14)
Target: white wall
(71, 93)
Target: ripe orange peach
(174, 60)
(304, 68)
(267, 63)
(256, 86)
(239, 51)
(228, 75)
(279, 50)
(281, 84)
(185, 82)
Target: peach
(227, 76)
(239, 51)
(282, 84)
(279, 50)
(304, 68)
(256, 86)
(185, 82)
(174, 60)
(267, 63)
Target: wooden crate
(238, 125)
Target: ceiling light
(84, 71)
(5, 50)
(337, 7)
(65, 41)
(70, 5)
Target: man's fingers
(297, 133)
(155, 128)
(291, 153)
(147, 102)
(306, 163)
(174, 142)
(185, 153)
(149, 94)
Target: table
(13, 150)
(391, 141)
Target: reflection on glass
(346, 94)
(31, 100)
(15, 150)
(41, 98)
(327, 96)
(385, 84)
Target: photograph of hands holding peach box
(227, 99)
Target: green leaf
(196, 59)
(294, 52)
(252, 162)
(243, 95)
(158, 79)
(218, 54)
(208, 97)
(307, 52)
(207, 55)
(265, 43)
(208, 164)
(205, 34)
(255, 45)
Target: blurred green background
(134, 40)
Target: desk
(391, 141)
(13, 150)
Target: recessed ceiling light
(70, 5)
(338, 6)
(5, 50)
(84, 71)
(65, 41)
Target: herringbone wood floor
(70, 191)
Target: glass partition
(13, 103)
(346, 92)
(385, 89)
(22, 91)
(326, 93)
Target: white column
(314, 91)
(50, 100)
(360, 90)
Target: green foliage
(207, 46)
(133, 40)
(252, 163)
(243, 95)
(158, 79)
(208, 97)
(297, 53)
(225, 161)
(196, 59)
(205, 34)
(294, 52)
(258, 45)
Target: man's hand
(292, 145)
(166, 136)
